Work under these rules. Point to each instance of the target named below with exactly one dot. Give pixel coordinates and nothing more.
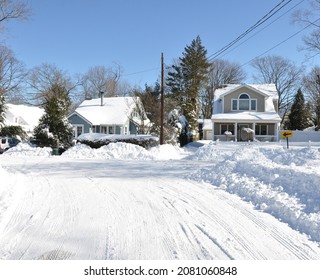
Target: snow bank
(24, 149)
(125, 151)
(284, 183)
(119, 150)
(122, 151)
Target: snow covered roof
(25, 116)
(269, 90)
(206, 124)
(115, 110)
(247, 116)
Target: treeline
(191, 81)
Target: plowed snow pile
(284, 183)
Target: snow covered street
(210, 202)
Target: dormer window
(244, 103)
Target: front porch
(245, 131)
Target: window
(253, 104)
(261, 129)
(77, 130)
(103, 129)
(234, 104)
(110, 130)
(226, 127)
(244, 103)
(107, 129)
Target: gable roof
(114, 111)
(267, 90)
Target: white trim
(75, 129)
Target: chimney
(101, 96)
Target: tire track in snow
(198, 206)
(301, 252)
(274, 230)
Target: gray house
(244, 112)
(110, 115)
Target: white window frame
(105, 129)
(75, 129)
(249, 100)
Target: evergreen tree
(298, 118)
(187, 78)
(13, 131)
(53, 129)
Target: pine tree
(298, 118)
(187, 78)
(53, 129)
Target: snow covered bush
(97, 140)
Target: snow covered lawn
(225, 201)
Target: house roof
(206, 124)
(115, 110)
(25, 116)
(249, 116)
(268, 90)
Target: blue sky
(78, 34)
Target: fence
(303, 136)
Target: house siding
(77, 120)
(235, 95)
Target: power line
(267, 16)
(285, 40)
(264, 27)
(140, 72)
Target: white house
(109, 115)
(244, 111)
(22, 115)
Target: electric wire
(263, 28)
(277, 45)
(271, 13)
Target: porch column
(276, 131)
(212, 130)
(236, 132)
(254, 129)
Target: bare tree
(12, 74)
(10, 9)
(101, 79)
(283, 73)
(150, 99)
(311, 83)
(220, 72)
(310, 18)
(42, 79)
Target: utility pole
(162, 99)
